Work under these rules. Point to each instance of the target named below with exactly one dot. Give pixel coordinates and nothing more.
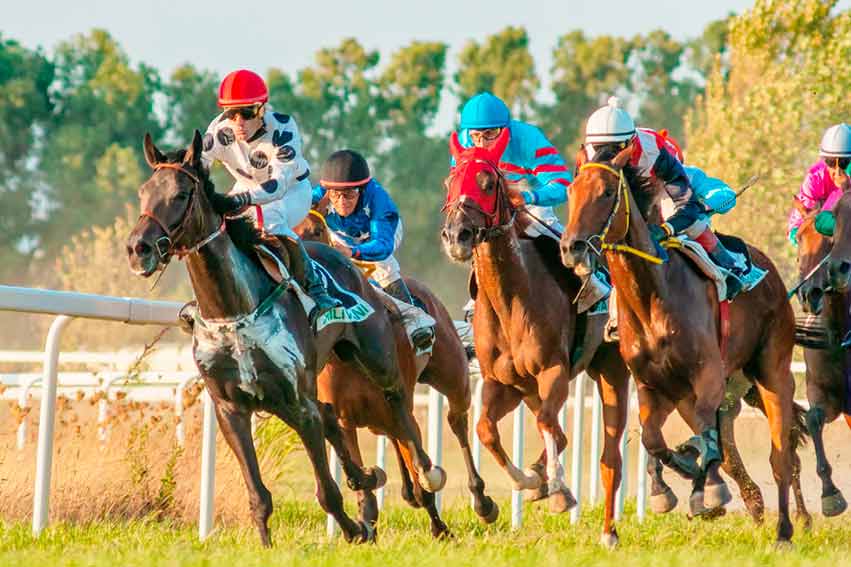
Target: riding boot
(610, 333)
(722, 257)
(308, 278)
(423, 337)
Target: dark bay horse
(825, 292)
(358, 403)
(668, 316)
(253, 333)
(527, 337)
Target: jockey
(262, 151)
(826, 179)
(538, 178)
(364, 225)
(609, 130)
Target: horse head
(477, 206)
(314, 228)
(840, 256)
(176, 214)
(597, 210)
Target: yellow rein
(367, 267)
(668, 243)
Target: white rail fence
(67, 306)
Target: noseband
(164, 245)
(493, 227)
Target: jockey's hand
(515, 197)
(229, 204)
(342, 248)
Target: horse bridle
(493, 227)
(165, 245)
(620, 197)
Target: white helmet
(836, 142)
(610, 123)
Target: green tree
(102, 105)
(191, 101)
(767, 114)
(25, 108)
(503, 65)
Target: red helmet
(243, 87)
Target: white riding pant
(281, 216)
(387, 270)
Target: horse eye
(608, 192)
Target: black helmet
(344, 169)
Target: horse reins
(621, 196)
(172, 235)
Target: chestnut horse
(668, 316)
(359, 403)
(825, 292)
(528, 336)
(253, 333)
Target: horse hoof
(537, 494)
(805, 520)
(716, 495)
(833, 504)
(561, 500)
(783, 545)
(380, 476)
(491, 516)
(664, 502)
(697, 508)
(441, 532)
(433, 480)
(609, 541)
(368, 533)
(530, 480)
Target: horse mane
(646, 198)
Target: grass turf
(404, 539)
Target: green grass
(299, 536)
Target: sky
(260, 34)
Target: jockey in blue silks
(364, 225)
(537, 176)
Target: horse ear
(196, 148)
(581, 157)
(623, 156)
(455, 147)
(500, 144)
(152, 155)
(801, 208)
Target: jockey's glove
(793, 236)
(825, 223)
(228, 204)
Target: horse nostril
(142, 248)
(815, 296)
(578, 247)
(844, 268)
(464, 235)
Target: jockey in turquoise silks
(537, 176)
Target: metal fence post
(594, 457)
(46, 424)
(337, 473)
(435, 433)
(578, 436)
(517, 456)
(641, 480)
(208, 468)
(477, 444)
(381, 461)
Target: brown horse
(253, 343)
(668, 316)
(528, 337)
(825, 292)
(359, 403)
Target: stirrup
(423, 338)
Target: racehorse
(528, 337)
(253, 342)
(359, 403)
(824, 266)
(668, 316)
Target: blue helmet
(484, 111)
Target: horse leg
(776, 388)
(422, 497)
(832, 501)
(497, 400)
(306, 420)
(662, 497)
(553, 384)
(367, 503)
(612, 379)
(357, 478)
(236, 429)
(407, 484)
(734, 466)
(708, 387)
(484, 506)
